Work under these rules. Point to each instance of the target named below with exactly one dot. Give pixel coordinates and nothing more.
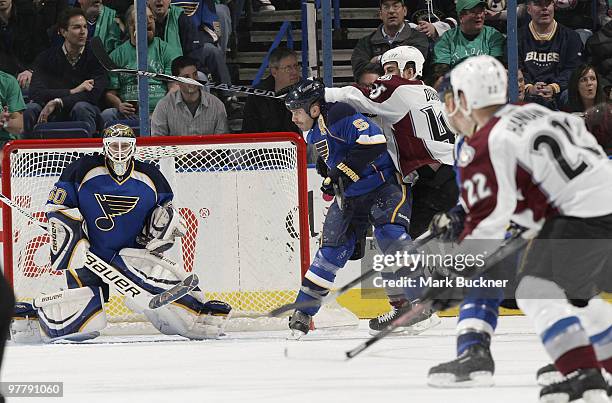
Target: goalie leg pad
(74, 314)
(179, 318)
(69, 243)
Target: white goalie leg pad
(74, 314)
(154, 270)
(177, 319)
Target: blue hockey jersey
(345, 128)
(114, 211)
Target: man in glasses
(393, 32)
(269, 114)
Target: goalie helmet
(402, 55)
(304, 94)
(482, 80)
(119, 147)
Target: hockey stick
(419, 242)
(97, 47)
(115, 278)
(509, 247)
(338, 191)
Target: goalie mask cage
(243, 197)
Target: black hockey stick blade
(178, 291)
(97, 47)
(506, 249)
(418, 243)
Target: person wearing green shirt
(122, 93)
(101, 23)
(470, 38)
(11, 109)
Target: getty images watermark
(427, 263)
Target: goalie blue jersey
(114, 211)
(346, 128)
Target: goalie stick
(97, 47)
(419, 242)
(429, 296)
(117, 280)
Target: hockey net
(243, 197)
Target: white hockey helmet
(402, 55)
(119, 147)
(483, 81)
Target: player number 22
(476, 189)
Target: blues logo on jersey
(114, 211)
(346, 128)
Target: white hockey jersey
(529, 157)
(412, 119)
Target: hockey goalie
(119, 210)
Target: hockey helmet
(402, 55)
(483, 81)
(304, 94)
(119, 147)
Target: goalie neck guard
(119, 147)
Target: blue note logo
(113, 206)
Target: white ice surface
(264, 367)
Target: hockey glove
(327, 187)
(322, 168)
(448, 226)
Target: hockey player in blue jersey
(358, 170)
(121, 210)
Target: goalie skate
(413, 327)
(475, 367)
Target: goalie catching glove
(163, 226)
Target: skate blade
(478, 379)
(549, 378)
(295, 335)
(413, 330)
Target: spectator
(394, 31)
(68, 79)
(190, 110)
(548, 53)
(124, 88)
(47, 14)
(599, 48)
(369, 74)
(584, 89)
(11, 109)
(470, 38)
(199, 41)
(599, 122)
(433, 18)
(521, 85)
(21, 39)
(101, 23)
(269, 114)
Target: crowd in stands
(564, 49)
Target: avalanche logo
(466, 155)
(113, 206)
